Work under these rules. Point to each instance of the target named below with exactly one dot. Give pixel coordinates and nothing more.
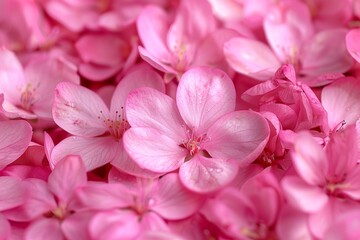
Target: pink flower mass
(179, 119)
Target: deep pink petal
(203, 96)
(147, 107)
(173, 201)
(12, 193)
(67, 175)
(303, 196)
(43, 228)
(98, 73)
(14, 139)
(78, 110)
(5, 228)
(251, 57)
(347, 226)
(203, 175)
(95, 152)
(152, 150)
(309, 159)
(240, 135)
(115, 224)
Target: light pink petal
(102, 196)
(352, 43)
(152, 25)
(5, 228)
(326, 53)
(163, 66)
(240, 135)
(303, 196)
(95, 152)
(203, 175)
(173, 201)
(288, 27)
(15, 137)
(115, 224)
(141, 76)
(251, 57)
(147, 107)
(78, 110)
(12, 193)
(48, 147)
(159, 235)
(351, 186)
(75, 226)
(347, 226)
(125, 163)
(293, 224)
(153, 222)
(340, 100)
(309, 159)
(43, 228)
(152, 150)
(11, 76)
(98, 73)
(67, 175)
(203, 96)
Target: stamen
(116, 126)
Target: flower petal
(203, 175)
(241, 135)
(78, 110)
(12, 193)
(152, 150)
(95, 152)
(251, 57)
(204, 95)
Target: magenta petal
(115, 224)
(68, 175)
(303, 196)
(95, 152)
(43, 228)
(78, 110)
(152, 150)
(14, 139)
(203, 175)
(203, 96)
(147, 107)
(5, 228)
(12, 193)
(240, 135)
(251, 57)
(173, 201)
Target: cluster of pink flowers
(180, 119)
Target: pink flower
(292, 40)
(199, 133)
(170, 46)
(133, 206)
(50, 206)
(98, 130)
(28, 91)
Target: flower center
(194, 144)
(27, 97)
(116, 126)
